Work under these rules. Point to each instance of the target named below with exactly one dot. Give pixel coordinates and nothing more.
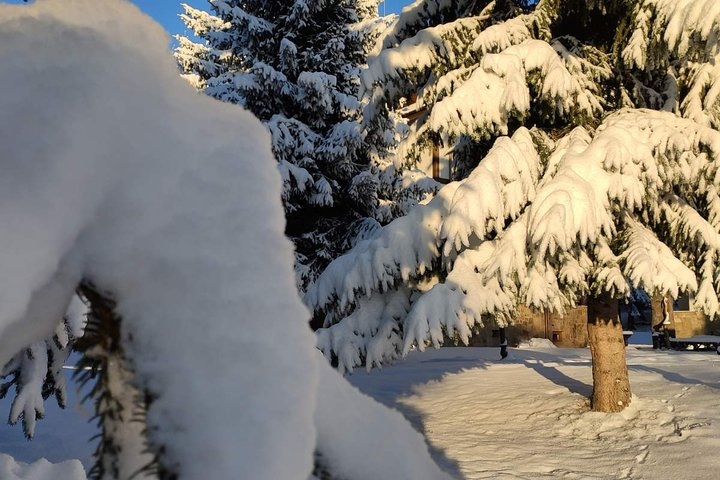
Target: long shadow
(403, 378)
(419, 368)
(673, 377)
(562, 380)
(545, 365)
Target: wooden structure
(569, 330)
(689, 323)
(436, 160)
(689, 329)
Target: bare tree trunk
(611, 386)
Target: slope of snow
(527, 417)
(354, 435)
(114, 170)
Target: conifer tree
(156, 221)
(588, 151)
(295, 65)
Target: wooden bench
(707, 343)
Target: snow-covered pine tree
(150, 214)
(584, 191)
(295, 64)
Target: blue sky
(166, 11)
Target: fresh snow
(537, 343)
(527, 417)
(116, 171)
(524, 417)
(40, 470)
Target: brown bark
(658, 310)
(611, 385)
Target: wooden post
(503, 344)
(662, 310)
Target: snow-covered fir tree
(295, 64)
(587, 151)
(148, 215)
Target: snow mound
(349, 426)
(644, 420)
(537, 343)
(40, 470)
(115, 171)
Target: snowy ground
(522, 418)
(527, 416)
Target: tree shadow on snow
(404, 378)
(672, 376)
(391, 384)
(562, 380)
(546, 364)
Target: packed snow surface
(114, 170)
(524, 417)
(527, 417)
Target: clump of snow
(40, 470)
(349, 427)
(116, 171)
(537, 343)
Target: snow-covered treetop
(296, 66)
(475, 66)
(116, 172)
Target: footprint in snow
(684, 391)
(642, 456)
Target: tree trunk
(659, 310)
(661, 307)
(656, 310)
(122, 452)
(611, 386)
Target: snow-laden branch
(497, 190)
(649, 264)
(405, 249)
